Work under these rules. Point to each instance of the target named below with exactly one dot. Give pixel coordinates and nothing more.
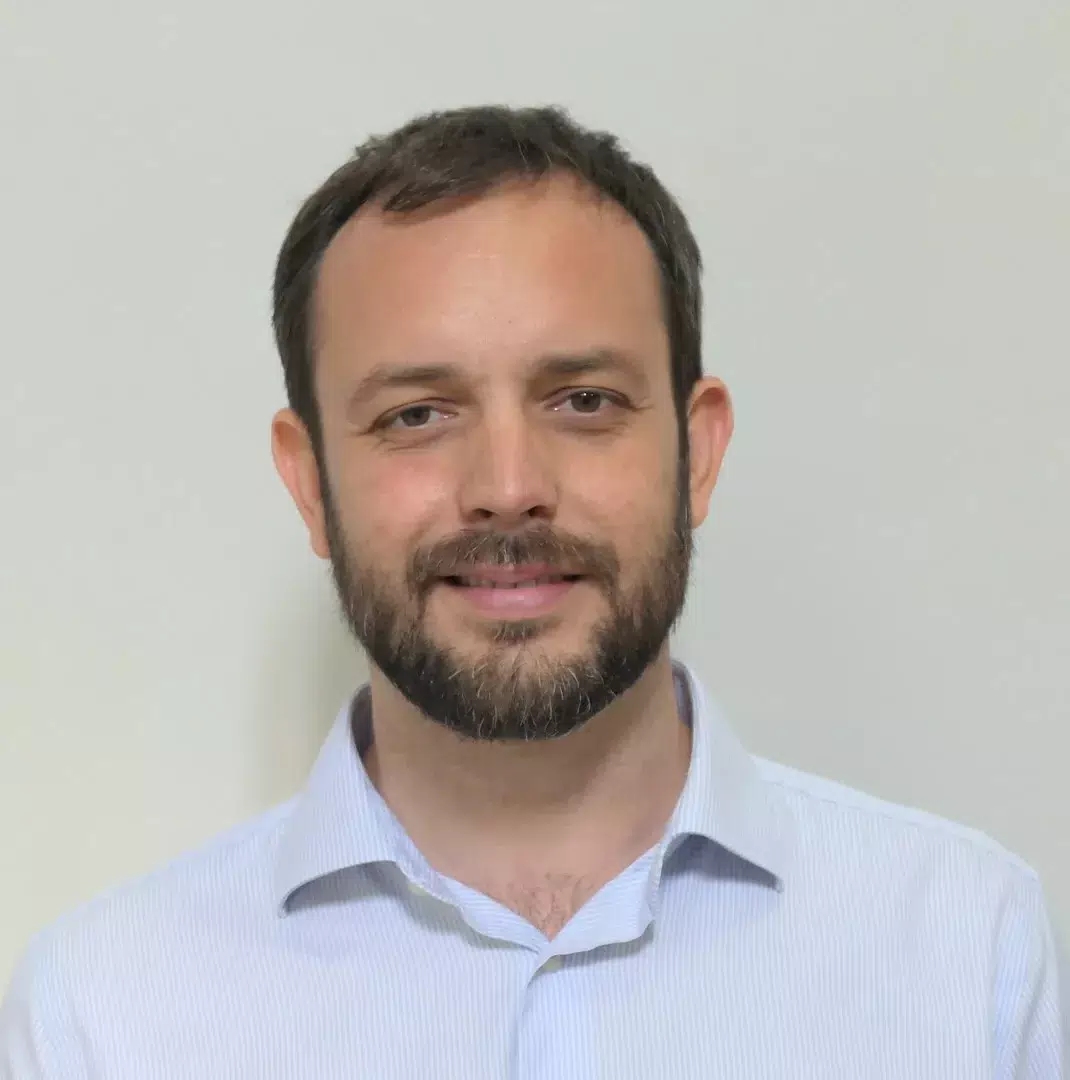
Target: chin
(551, 639)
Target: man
(530, 847)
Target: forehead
(489, 282)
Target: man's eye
(413, 417)
(587, 402)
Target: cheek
(389, 504)
(630, 502)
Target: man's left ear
(709, 425)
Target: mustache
(541, 544)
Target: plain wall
(881, 191)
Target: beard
(513, 691)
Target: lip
(512, 575)
(510, 591)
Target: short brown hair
(466, 152)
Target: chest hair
(547, 902)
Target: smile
(521, 592)
(522, 583)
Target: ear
(295, 461)
(709, 425)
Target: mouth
(464, 581)
(512, 591)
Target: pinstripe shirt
(784, 926)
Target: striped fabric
(784, 927)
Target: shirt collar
(725, 798)
(341, 821)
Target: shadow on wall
(308, 668)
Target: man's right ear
(295, 462)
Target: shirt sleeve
(1031, 997)
(40, 1038)
(1062, 955)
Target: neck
(584, 805)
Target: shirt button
(416, 890)
(551, 965)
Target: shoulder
(94, 969)
(227, 880)
(843, 820)
(861, 853)
(930, 895)
(828, 804)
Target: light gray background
(882, 195)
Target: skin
(492, 288)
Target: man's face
(500, 485)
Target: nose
(508, 479)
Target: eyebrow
(550, 365)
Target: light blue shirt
(784, 927)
